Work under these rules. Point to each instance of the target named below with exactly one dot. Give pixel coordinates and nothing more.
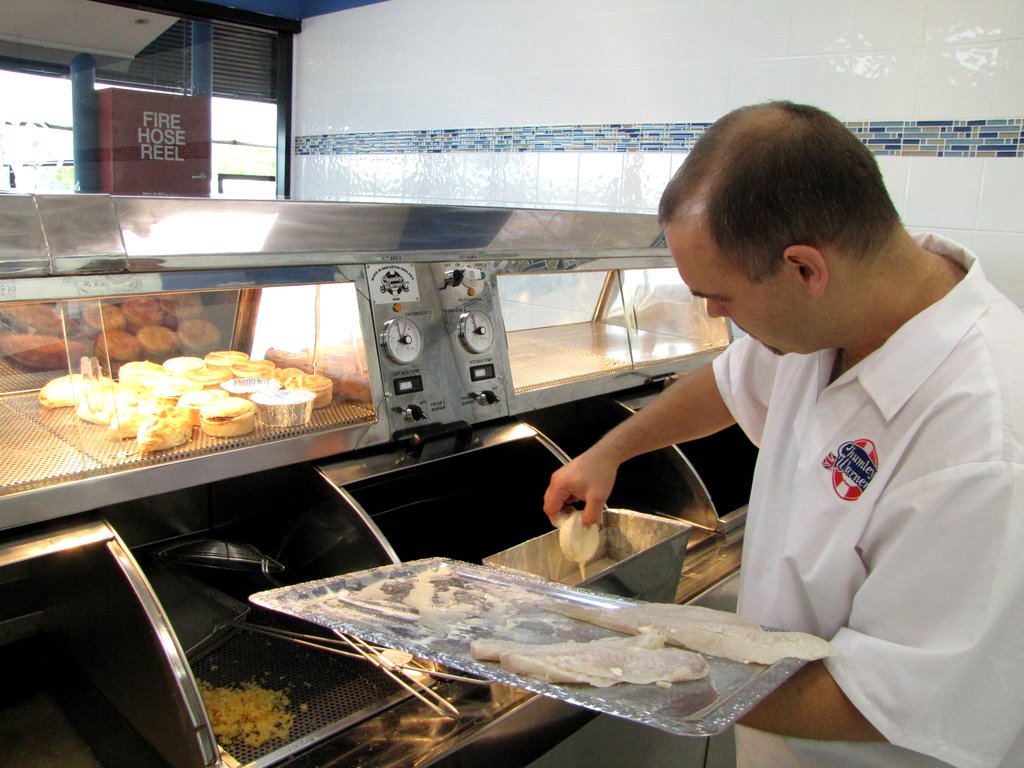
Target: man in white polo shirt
(883, 379)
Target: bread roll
(117, 347)
(125, 424)
(102, 400)
(229, 417)
(198, 336)
(167, 428)
(141, 375)
(181, 307)
(139, 313)
(37, 352)
(100, 317)
(43, 319)
(158, 343)
(65, 391)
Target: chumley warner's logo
(853, 465)
(393, 283)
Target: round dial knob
(402, 340)
(475, 331)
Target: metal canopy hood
(73, 234)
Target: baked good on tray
(164, 429)
(117, 347)
(198, 336)
(158, 342)
(142, 312)
(228, 417)
(40, 352)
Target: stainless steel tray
(433, 608)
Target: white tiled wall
(423, 64)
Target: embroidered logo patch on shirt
(853, 465)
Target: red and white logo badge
(853, 465)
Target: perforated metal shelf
(563, 354)
(43, 447)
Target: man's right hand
(589, 478)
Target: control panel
(439, 355)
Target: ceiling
(55, 31)
(294, 9)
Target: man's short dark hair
(780, 174)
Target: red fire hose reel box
(153, 143)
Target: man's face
(769, 311)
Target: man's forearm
(811, 705)
(690, 408)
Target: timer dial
(402, 340)
(476, 331)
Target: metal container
(639, 556)
(93, 672)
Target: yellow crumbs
(248, 715)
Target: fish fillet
(641, 659)
(704, 630)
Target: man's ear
(809, 266)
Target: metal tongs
(408, 673)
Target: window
(236, 60)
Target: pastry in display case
(92, 384)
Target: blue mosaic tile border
(926, 138)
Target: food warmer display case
(202, 399)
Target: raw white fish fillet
(491, 649)
(704, 630)
(641, 659)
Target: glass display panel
(315, 328)
(89, 385)
(668, 321)
(563, 327)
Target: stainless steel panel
(99, 613)
(193, 233)
(162, 228)
(426, 370)
(582, 230)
